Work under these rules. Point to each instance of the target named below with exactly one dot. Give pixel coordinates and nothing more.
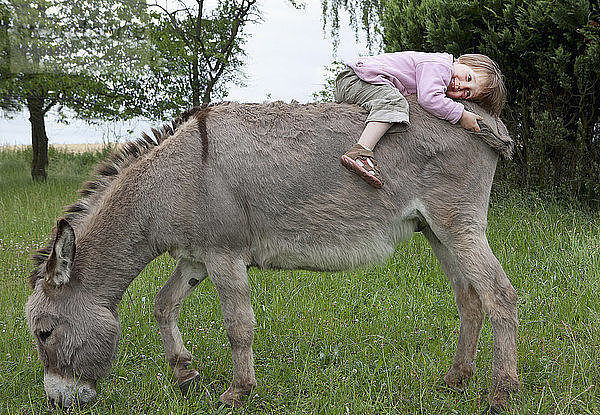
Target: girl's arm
(431, 92)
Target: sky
(286, 58)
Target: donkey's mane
(105, 173)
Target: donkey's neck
(113, 247)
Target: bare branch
(172, 16)
(50, 105)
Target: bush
(549, 52)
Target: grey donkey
(238, 185)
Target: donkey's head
(76, 335)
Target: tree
(549, 52)
(7, 102)
(67, 53)
(362, 14)
(327, 94)
(197, 50)
(113, 60)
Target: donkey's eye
(469, 78)
(43, 335)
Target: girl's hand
(468, 121)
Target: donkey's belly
(329, 251)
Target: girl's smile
(463, 84)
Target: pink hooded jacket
(426, 74)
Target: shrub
(549, 52)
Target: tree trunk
(195, 81)
(207, 93)
(39, 139)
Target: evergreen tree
(549, 52)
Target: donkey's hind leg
(183, 281)
(499, 300)
(228, 273)
(482, 271)
(470, 312)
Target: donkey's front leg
(182, 282)
(228, 273)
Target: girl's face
(464, 83)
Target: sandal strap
(366, 157)
(371, 168)
(357, 151)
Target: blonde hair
(492, 94)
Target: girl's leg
(386, 106)
(372, 133)
(359, 159)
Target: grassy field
(373, 341)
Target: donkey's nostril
(43, 335)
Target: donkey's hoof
(229, 402)
(497, 406)
(232, 397)
(458, 380)
(492, 410)
(499, 397)
(190, 385)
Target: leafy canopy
(80, 54)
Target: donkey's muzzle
(64, 393)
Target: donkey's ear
(58, 266)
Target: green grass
(372, 341)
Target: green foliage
(370, 341)
(331, 72)
(549, 52)
(111, 59)
(115, 60)
(78, 54)
(360, 13)
(82, 54)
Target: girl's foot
(359, 160)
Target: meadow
(370, 341)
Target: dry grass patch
(71, 148)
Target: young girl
(379, 83)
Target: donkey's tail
(497, 137)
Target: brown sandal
(359, 160)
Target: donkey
(237, 185)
